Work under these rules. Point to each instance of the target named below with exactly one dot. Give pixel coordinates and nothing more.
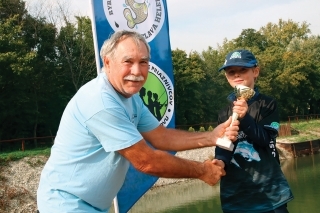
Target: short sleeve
(113, 129)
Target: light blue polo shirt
(85, 172)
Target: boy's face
(242, 76)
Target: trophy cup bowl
(241, 92)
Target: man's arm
(162, 164)
(178, 140)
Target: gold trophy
(241, 92)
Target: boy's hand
(240, 107)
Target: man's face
(128, 69)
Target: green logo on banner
(157, 94)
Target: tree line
(43, 65)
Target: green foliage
(215, 88)
(210, 128)
(251, 39)
(282, 33)
(16, 62)
(189, 81)
(191, 129)
(42, 67)
(202, 129)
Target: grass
(303, 131)
(17, 155)
(306, 125)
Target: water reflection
(303, 175)
(193, 196)
(197, 197)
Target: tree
(16, 60)
(303, 55)
(250, 38)
(33, 84)
(216, 88)
(45, 109)
(282, 33)
(189, 78)
(76, 53)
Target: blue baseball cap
(240, 58)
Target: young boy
(254, 181)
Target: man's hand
(225, 129)
(218, 163)
(214, 170)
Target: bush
(191, 129)
(202, 129)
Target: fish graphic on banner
(150, 19)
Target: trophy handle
(234, 117)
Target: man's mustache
(134, 78)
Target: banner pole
(96, 51)
(116, 205)
(95, 40)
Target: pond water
(195, 196)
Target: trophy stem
(234, 117)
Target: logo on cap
(235, 55)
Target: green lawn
(303, 131)
(17, 155)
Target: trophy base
(225, 143)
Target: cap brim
(248, 65)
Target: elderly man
(105, 127)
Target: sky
(194, 25)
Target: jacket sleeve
(262, 127)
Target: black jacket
(254, 181)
